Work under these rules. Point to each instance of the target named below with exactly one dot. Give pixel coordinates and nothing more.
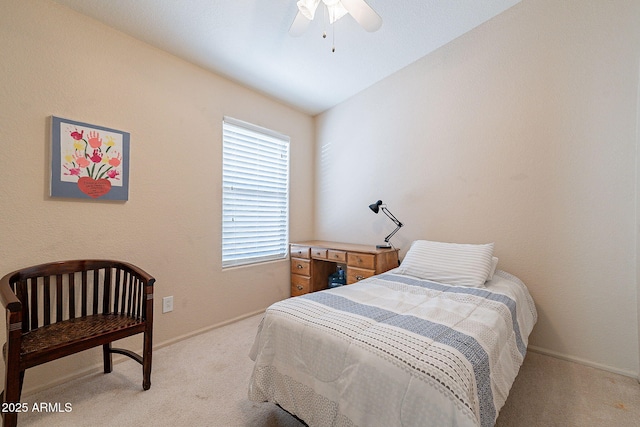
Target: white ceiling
(248, 41)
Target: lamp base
(385, 246)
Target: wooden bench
(57, 309)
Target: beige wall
(521, 132)
(638, 212)
(57, 62)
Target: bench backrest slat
(116, 291)
(22, 293)
(59, 297)
(130, 292)
(84, 294)
(47, 300)
(34, 302)
(72, 296)
(96, 289)
(107, 291)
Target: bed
(399, 348)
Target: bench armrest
(8, 298)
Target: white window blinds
(255, 194)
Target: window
(255, 194)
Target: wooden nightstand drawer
(320, 253)
(336, 256)
(299, 285)
(355, 274)
(299, 251)
(300, 266)
(361, 260)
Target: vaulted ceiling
(248, 40)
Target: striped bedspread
(394, 350)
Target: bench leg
(107, 357)
(21, 382)
(10, 419)
(11, 394)
(146, 361)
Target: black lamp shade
(375, 207)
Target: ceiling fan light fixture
(336, 10)
(308, 8)
(360, 10)
(334, 7)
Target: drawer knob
(299, 266)
(359, 277)
(300, 287)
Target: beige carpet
(202, 381)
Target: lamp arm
(391, 217)
(395, 221)
(386, 239)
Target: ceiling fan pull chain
(324, 22)
(333, 36)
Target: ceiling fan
(359, 9)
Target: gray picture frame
(88, 161)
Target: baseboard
(90, 370)
(99, 367)
(585, 362)
(207, 329)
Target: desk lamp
(377, 207)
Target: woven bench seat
(75, 331)
(57, 309)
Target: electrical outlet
(167, 304)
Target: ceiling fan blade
(299, 25)
(363, 14)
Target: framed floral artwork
(88, 161)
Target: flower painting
(88, 161)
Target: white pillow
(450, 263)
(494, 264)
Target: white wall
(57, 62)
(521, 132)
